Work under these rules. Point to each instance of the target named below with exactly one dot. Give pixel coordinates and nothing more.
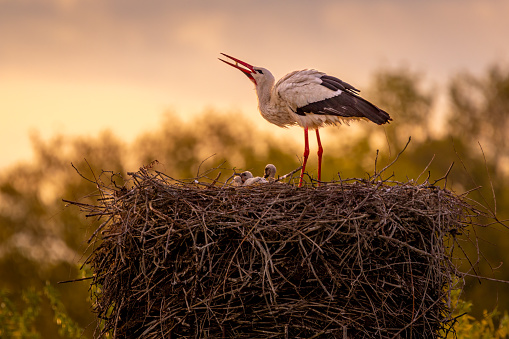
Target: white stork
(310, 99)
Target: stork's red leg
(320, 152)
(306, 154)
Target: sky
(78, 67)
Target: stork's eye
(259, 71)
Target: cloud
(203, 32)
(439, 36)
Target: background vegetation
(43, 242)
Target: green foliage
(68, 328)
(20, 321)
(492, 325)
(16, 322)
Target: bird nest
(350, 259)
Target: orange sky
(78, 67)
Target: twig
(392, 162)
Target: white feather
(255, 180)
(300, 88)
(278, 103)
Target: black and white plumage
(310, 99)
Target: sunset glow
(79, 67)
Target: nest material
(353, 259)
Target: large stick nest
(354, 258)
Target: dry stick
(425, 168)
(376, 160)
(95, 178)
(396, 159)
(81, 175)
(445, 176)
(489, 178)
(99, 228)
(197, 179)
(228, 179)
(82, 206)
(470, 191)
(487, 206)
(74, 280)
(216, 179)
(482, 278)
(417, 318)
(201, 163)
(244, 239)
(288, 174)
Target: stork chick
(270, 172)
(248, 179)
(237, 181)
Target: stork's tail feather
(372, 112)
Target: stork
(310, 99)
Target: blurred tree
(400, 92)
(40, 240)
(20, 321)
(16, 322)
(478, 121)
(479, 113)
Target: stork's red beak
(246, 68)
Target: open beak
(246, 68)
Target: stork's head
(246, 175)
(257, 75)
(270, 172)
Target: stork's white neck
(264, 92)
(268, 103)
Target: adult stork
(310, 99)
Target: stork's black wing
(347, 103)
